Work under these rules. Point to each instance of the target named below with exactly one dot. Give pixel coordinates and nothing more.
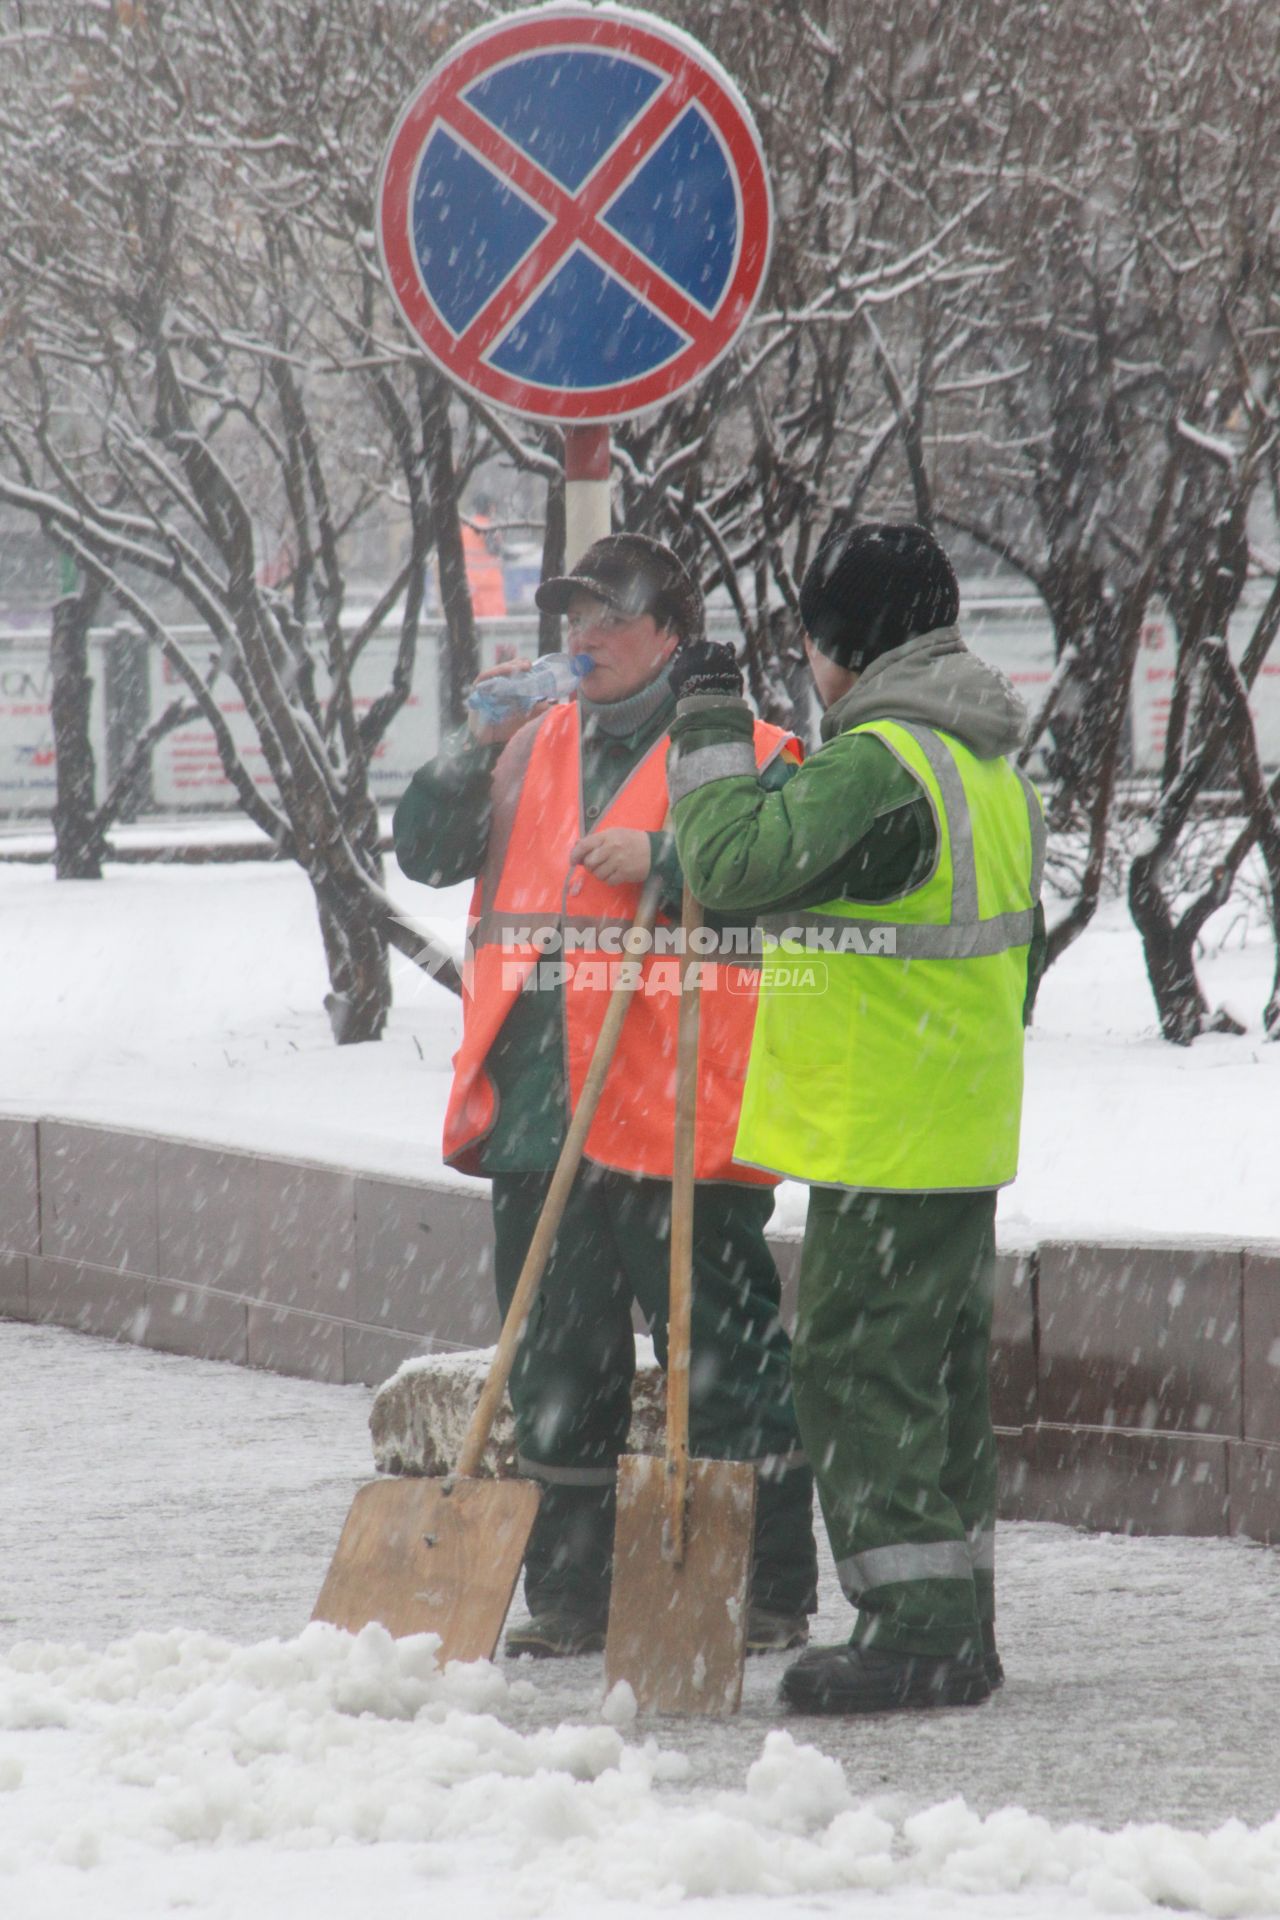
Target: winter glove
(706, 667)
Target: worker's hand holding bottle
(505, 696)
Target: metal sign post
(586, 489)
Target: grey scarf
(621, 718)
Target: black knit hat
(868, 588)
(635, 575)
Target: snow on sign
(574, 213)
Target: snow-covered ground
(188, 1001)
(173, 1739)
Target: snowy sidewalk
(187, 1511)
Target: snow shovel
(685, 1528)
(443, 1555)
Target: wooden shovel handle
(680, 1292)
(562, 1179)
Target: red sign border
(705, 82)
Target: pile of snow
(118, 1761)
(421, 1415)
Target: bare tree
(1212, 738)
(78, 835)
(185, 227)
(1113, 333)
(1227, 199)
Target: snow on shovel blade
(431, 1556)
(677, 1632)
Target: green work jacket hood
(933, 680)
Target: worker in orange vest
(482, 558)
(560, 817)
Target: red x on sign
(574, 213)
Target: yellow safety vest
(887, 1052)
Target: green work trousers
(571, 1382)
(890, 1368)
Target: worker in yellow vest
(560, 817)
(898, 872)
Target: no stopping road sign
(574, 213)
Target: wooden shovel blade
(419, 1559)
(677, 1634)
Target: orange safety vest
(528, 886)
(484, 574)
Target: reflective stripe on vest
(888, 1045)
(526, 902)
(982, 1549)
(930, 1560)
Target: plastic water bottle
(554, 677)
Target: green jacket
(852, 822)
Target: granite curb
(1135, 1387)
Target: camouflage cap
(634, 575)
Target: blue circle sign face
(574, 213)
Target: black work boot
(555, 1636)
(992, 1665)
(769, 1632)
(852, 1679)
(567, 1568)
